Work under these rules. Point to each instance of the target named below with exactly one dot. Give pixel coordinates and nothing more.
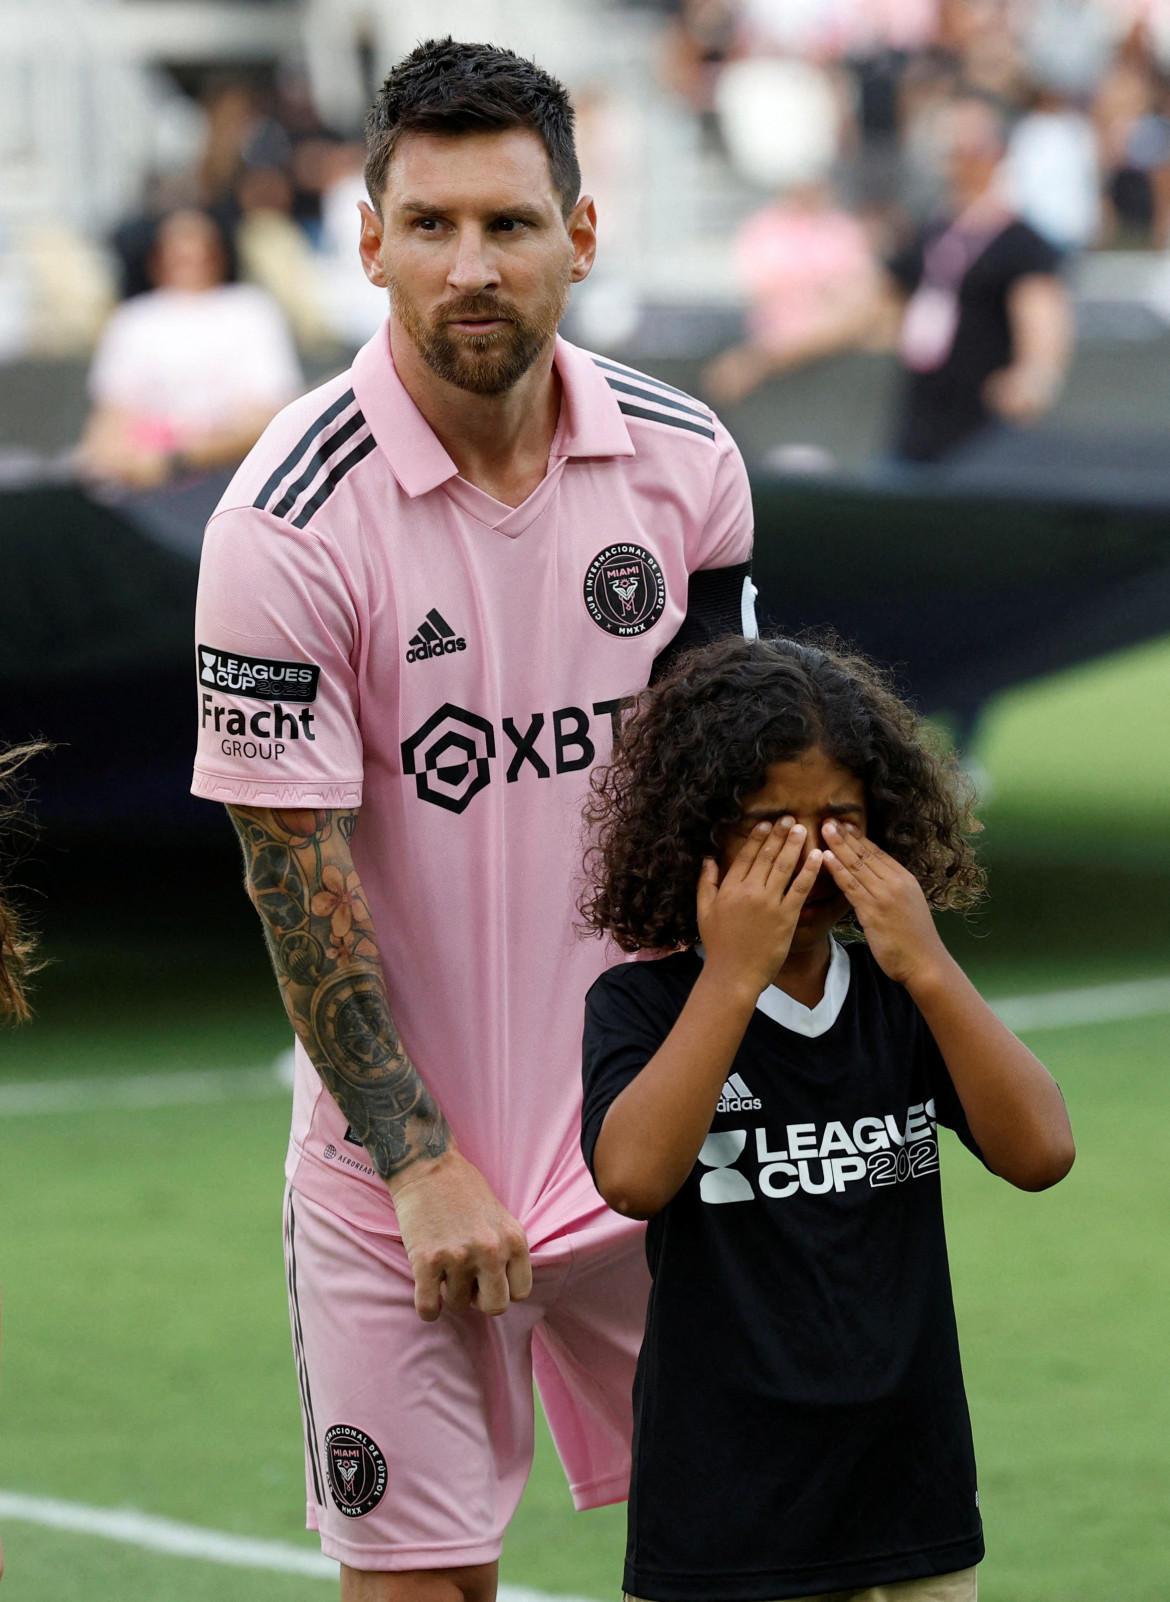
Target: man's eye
(507, 225)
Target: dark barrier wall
(964, 595)
(96, 655)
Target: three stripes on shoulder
(340, 438)
(317, 463)
(671, 406)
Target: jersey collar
(811, 1021)
(791, 1014)
(591, 421)
(590, 424)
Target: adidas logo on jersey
(435, 637)
(737, 1097)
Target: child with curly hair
(768, 1098)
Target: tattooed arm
(465, 1249)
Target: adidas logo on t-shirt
(737, 1097)
(435, 637)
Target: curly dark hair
(446, 87)
(700, 741)
(18, 961)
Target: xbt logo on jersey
(450, 757)
(817, 1159)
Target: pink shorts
(418, 1437)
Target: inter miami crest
(624, 590)
(357, 1470)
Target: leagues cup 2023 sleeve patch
(266, 732)
(259, 678)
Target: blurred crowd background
(979, 187)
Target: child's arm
(1012, 1103)
(652, 1133)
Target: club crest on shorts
(357, 1470)
(624, 590)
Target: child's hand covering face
(888, 901)
(747, 921)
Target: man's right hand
(465, 1248)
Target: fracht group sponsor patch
(259, 677)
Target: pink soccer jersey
(374, 631)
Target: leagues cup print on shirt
(882, 1149)
(260, 678)
(625, 592)
(263, 733)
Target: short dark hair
(445, 87)
(702, 739)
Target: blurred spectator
(353, 306)
(232, 120)
(810, 277)
(781, 120)
(989, 48)
(699, 41)
(1068, 45)
(1130, 110)
(986, 329)
(56, 290)
(1053, 172)
(188, 375)
(927, 90)
(900, 25)
(315, 159)
(805, 264)
(275, 254)
(820, 30)
(134, 238)
(872, 171)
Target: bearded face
(490, 363)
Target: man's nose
(474, 268)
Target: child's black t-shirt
(800, 1420)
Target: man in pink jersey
(424, 599)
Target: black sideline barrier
(964, 593)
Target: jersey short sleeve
(947, 1106)
(276, 636)
(726, 535)
(720, 595)
(628, 1014)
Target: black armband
(719, 602)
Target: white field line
(1094, 1004)
(165, 1535)
(1053, 1009)
(157, 1534)
(140, 1091)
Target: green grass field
(146, 1354)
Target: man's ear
(581, 225)
(370, 245)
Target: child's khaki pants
(959, 1587)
